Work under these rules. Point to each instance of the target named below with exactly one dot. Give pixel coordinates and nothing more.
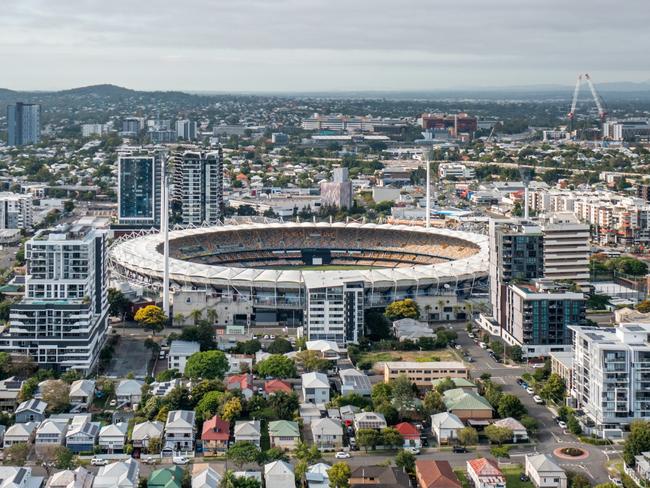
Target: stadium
(262, 274)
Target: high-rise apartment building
(186, 129)
(338, 192)
(611, 375)
(139, 190)
(566, 248)
(62, 320)
(23, 124)
(131, 126)
(198, 187)
(16, 211)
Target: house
(467, 404)
(385, 476)
(519, 432)
(51, 433)
(544, 472)
(354, 381)
(179, 352)
(484, 473)
(279, 474)
(410, 434)
(309, 412)
(462, 383)
(327, 434)
(238, 363)
(82, 392)
(369, 420)
(78, 478)
(327, 349)
(315, 388)
(445, 426)
(81, 435)
(435, 474)
(215, 435)
(30, 411)
(284, 434)
(412, 330)
(19, 433)
(348, 412)
(129, 392)
(162, 388)
(242, 382)
(121, 474)
(112, 438)
(145, 431)
(171, 477)
(19, 477)
(9, 392)
(204, 476)
(317, 476)
(248, 431)
(274, 386)
(179, 430)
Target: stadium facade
(322, 276)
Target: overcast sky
(308, 45)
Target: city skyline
(314, 46)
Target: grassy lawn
(462, 477)
(512, 478)
(376, 358)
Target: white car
(342, 455)
(482, 345)
(538, 400)
(530, 391)
(459, 347)
(616, 481)
(113, 403)
(149, 460)
(180, 460)
(562, 424)
(412, 450)
(98, 462)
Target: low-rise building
(205, 476)
(317, 476)
(19, 433)
(544, 472)
(82, 393)
(412, 330)
(423, 374)
(9, 392)
(51, 433)
(327, 434)
(129, 392)
(272, 387)
(315, 388)
(484, 473)
(68, 478)
(519, 432)
(180, 430)
(355, 381)
(279, 474)
(81, 435)
(215, 435)
(179, 352)
(166, 478)
(248, 431)
(241, 382)
(112, 438)
(121, 474)
(369, 420)
(30, 411)
(445, 426)
(562, 365)
(19, 477)
(386, 476)
(145, 431)
(467, 404)
(410, 434)
(284, 434)
(435, 474)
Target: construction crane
(600, 105)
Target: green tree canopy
(280, 346)
(637, 442)
(206, 365)
(242, 453)
(498, 435)
(276, 366)
(468, 436)
(339, 475)
(510, 406)
(406, 461)
(402, 309)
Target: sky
(320, 45)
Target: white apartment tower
(62, 320)
(566, 248)
(186, 129)
(16, 211)
(198, 187)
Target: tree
(154, 445)
(312, 361)
(381, 392)
(353, 399)
(606, 485)
(64, 458)
(118, 304)
(406, 461)
(468, 436)
(56, 393)
(249, 347)
(389, 412)
(151, 318)
(402, 309)
(510, 406)
(574, 426)
(242, 452)
(339, 475)
(530, 423)
(300, 472)
(515, 353)
(305, 452)
(554, 388)
(391, 437)
(5, 309)
(644, 306)
(377, 325)
(202, 332)
(207, 365)
(433, 403)
(284, 405)
(368, 438)
(280, 346)
(17, 453)
(497, 435)
(276, 366)
(403, 393)
(209, 405)
(231, 409)
(196, 315)
(637, 442)
(577, 480)
(5, 364)
(445, 384)
(492, 393)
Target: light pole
(428, 193)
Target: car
(98, 461)
(149, 460)
(538, 400)
(412, 450)
(161, 355)
(523, 477)
(260, 389)
(352, 441)
(342, 455)
(616, 481)
(271, 337)
(469, 359)
(459, 347)
(459, 449)
(482, 345)
(562, 424)
(113, 403)
(524, 385)
(530, 391)
(520, 381)
(266, 337)
(180, 460)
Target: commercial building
(537, 315)
(186, 130)
(198, 187)
(16, 211)
(62, 320)
(627, 130)
(455, 170)
(139, 190)
(566, 248)
(456, 124)
(23, 124)
(611, 373)
(424, 374)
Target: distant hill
(105, 90)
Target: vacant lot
(378, 358)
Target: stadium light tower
(164, 227)
(428, 191)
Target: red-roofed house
(274, 386)
(435, 474)
(243, 382)
(485, 474)
(410, 434)
(215, 436)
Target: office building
(16, 211)
(23, 124)
(186, 130)
(537, 315)
(423, 375)
(455, 170)
(611, 376)
(334, 312)
(62, 320)
(198, 187)
(139, 190)
(566, 248)
(454, 124)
